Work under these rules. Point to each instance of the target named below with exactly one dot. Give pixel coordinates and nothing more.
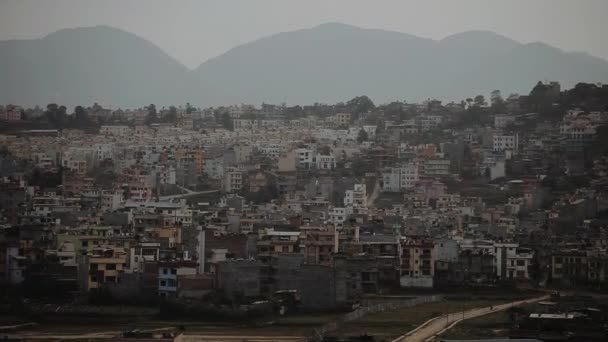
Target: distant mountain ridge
(327, 63)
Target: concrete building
(233, 179)
(239, 278)
(101, 266)
(512, 261)
(400, 178)
(168, 273)
(324, 162)
(417, 263)
(503, 143)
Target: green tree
(171, 115)
(363, 136)
(325, 150)
(152, 116)
(479, 101)
(469, 101)
(81, 116)
(497, 102)
(360, 104)
(227, 122)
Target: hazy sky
(195, 30)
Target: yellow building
(102, 266)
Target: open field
(389, 325)
(494, 325)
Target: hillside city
(248, 213)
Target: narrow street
(374, 194)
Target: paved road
(429, 330)
(187, 338)
(372, 197)
(188, 194)
(236, 338)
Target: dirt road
(429, 330)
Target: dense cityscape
(303, 171)
(250, 212)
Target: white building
(325, 162)
(338, 216)
(512, 261)
(400, 178)
(233, 179)
(163, 174)
(356, 198)
(304, 158)
(409, 175)
(503, 143)
(111, 200)
(103, 151)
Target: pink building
(11, 115)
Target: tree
(497, 102)
(325, 150)
(360, 104)
(227, 121)
(189, 108)
(171, 115)
(469, 101)
(363, 136)
(152, 116)
(80, 115)
(480, 101)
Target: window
(93, 267)
(110, 266)
(521, 262)
(163, 283)
(165, 271)
(174, 271)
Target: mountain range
(328, 63)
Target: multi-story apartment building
(169, 273)
(101, 266)
(12, 114)
(141, 253)
(233, 179)
(191, 157)
(357, 197)
(272, 242)
(319, 243)
(512, 261)
(305, 158)
(400, 178)
(503, 143)
(417, 262)
(325, 162)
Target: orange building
(195, 157)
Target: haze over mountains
(328, 63)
